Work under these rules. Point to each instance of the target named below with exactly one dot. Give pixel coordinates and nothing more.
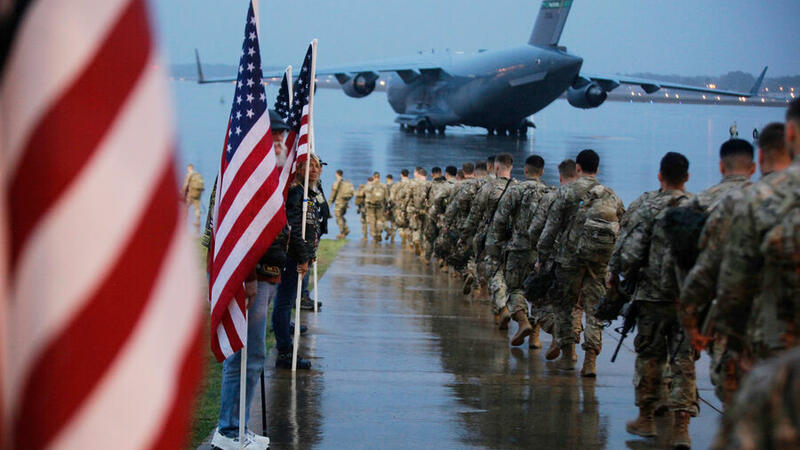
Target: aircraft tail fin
(757, 86)
(200, 78)
(550, 23)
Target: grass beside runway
(206, 409)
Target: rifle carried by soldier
(629, 313)
(617, 302)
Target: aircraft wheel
(409, 129)
(441, 129)
(402, 126)
(501, 131)
(490, 131)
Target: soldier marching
(715, 271)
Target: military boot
(589, 358)
(680, 431)
(418, 248)
(524, 329)
(467, 289)
(553, 351)
(533, 341)
(644, 425)
(505, 317)
(402, 240)
(567, 360)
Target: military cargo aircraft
(496, 90)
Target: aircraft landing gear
(490, 131)
(441, 129)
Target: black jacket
(302, 250)
(325, 212)
(275, 255)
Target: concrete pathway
(403, 360)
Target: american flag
(282, 103)
(249, 209)
(283, 106)
(103, 309)
(298, 117)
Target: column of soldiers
(717, 271)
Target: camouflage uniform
(578, 279)
(643, 254)
(457, 211)
(341, 193)
(542, 306)
(763, 414)
(400, 195)
(477, 226)
(700, 285)
(416, 211)
(376, 197)
(509, 230)
(760, 269)
(705, 199)
(388, 218)
(193, 187)
(360, 201)
(437, 204)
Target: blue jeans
(228, 423)
(284, 302)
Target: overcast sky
(686, 37)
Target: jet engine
(360, 85)
(588, 96)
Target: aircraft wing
(406, 68)
(609, 83)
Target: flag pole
(243, 367)
(289, 84)
(312, 148)
(316, 291)
(305, 204)
(243, 383)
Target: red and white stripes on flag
(289, 168)
(249, 209)
(297, 152)
(104, 311)
(302, 137)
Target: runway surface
(403, 360)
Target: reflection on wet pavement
(402, 359)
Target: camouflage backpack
(345, 191)
(360, 195)
(376, 194)
(196, 182)
(598, 213)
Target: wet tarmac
(403, 360)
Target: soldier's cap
(276, 121)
